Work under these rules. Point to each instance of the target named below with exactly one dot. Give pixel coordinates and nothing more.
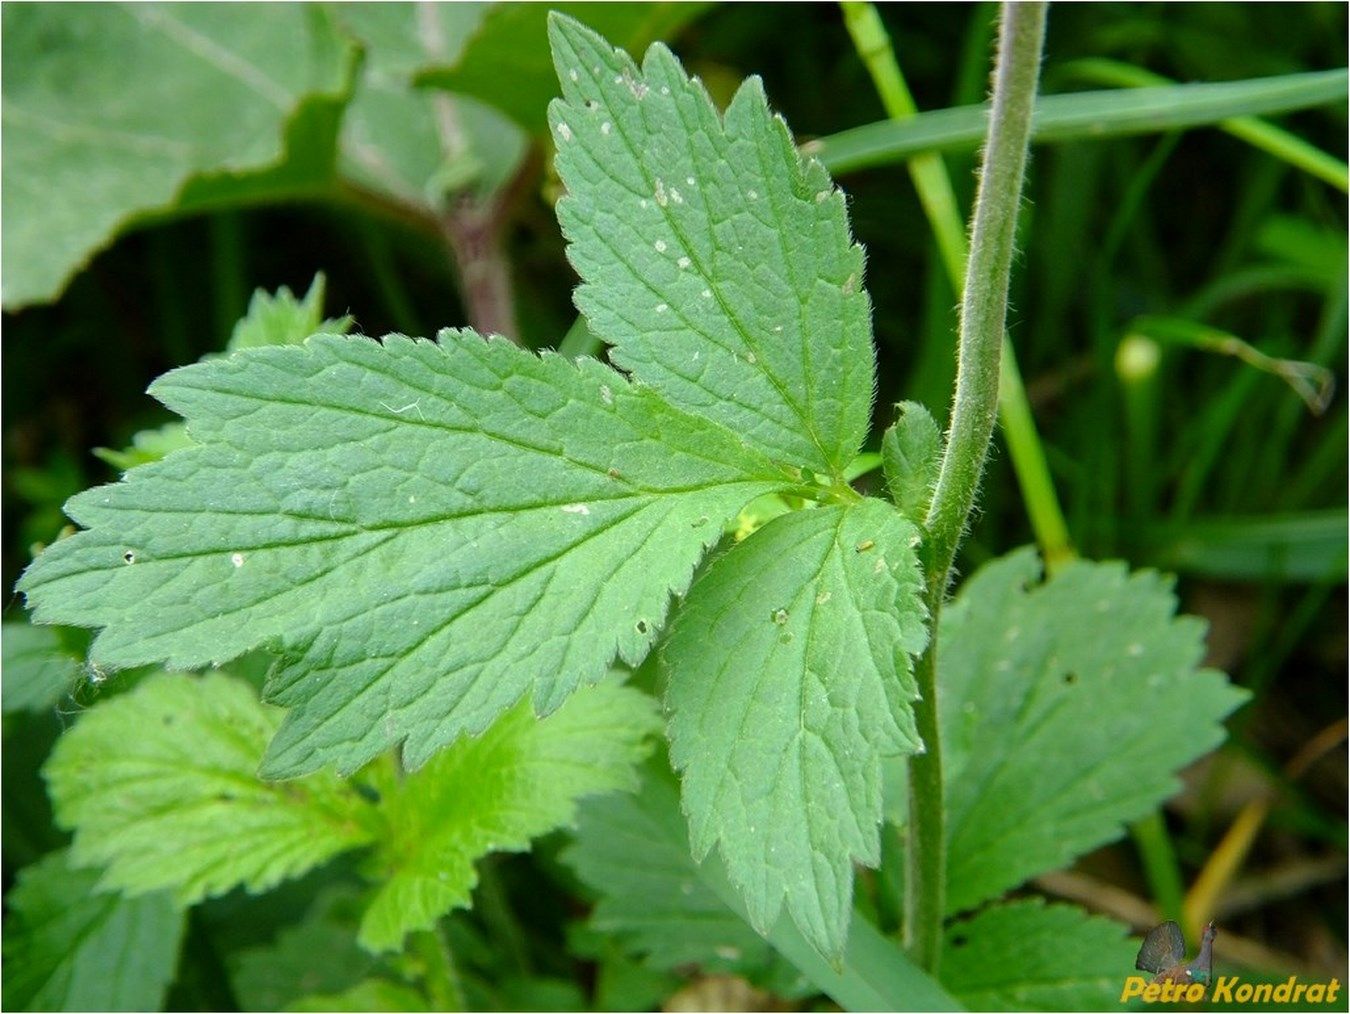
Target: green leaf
(111, 111)
(716, 262)
(427, 531)
(410, 144)
(789, 680)
(1300, 546)
(1027, 955)
(282, 319)
(38, 669)
(872, 974)
(911, 454)
(366, 995)
(147, 446)
(1066, 708)
(520, 779)
(1082, 116)
(318, 955)
(160, 786)
(279, 319)
(658, 906)
(70, 946)
(506, 63)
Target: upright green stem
(983, 311)
(933, 184)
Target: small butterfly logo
(1163, 952)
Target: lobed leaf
(1027, 955)
(520, 779)
(426, 532)
(70, 946)
(160, 786)
(1065, 709)
(789, 679)
(716, 262)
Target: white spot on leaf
(660, 245)
(237, 559)
(565, 132)
(575, 508)
(683, 262)
(605, 128)
(661, 307)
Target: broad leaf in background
(716, 262)
(319, 954)
(110, 111)
(70, 946)
(1027, 955)
(160, 785)
(414, 145)
(1066, 709)
(39, 669)
(428, 531)
(789, 679)
(658, 906)
(506, 62)
(520, 779)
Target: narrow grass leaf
(1083, 116)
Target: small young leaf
(282, 319)
(147, 446)
(789, 680)
(518, 780)
(911, 454)
(1065, 709)
(160, 786)
(38, 670)
(1027, 955)
(426, 531)
(716, 262)
(70, 946)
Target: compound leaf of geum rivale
(426, 531)
(714, 259)
(1027, 955)
(1067, 706)
(494, 793)
(70, 946)
(117, 110)
(160, 787)
(789, 680)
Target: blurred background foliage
(1179, 308)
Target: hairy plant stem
(933, 184)
(440, 977)
(975, 405)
